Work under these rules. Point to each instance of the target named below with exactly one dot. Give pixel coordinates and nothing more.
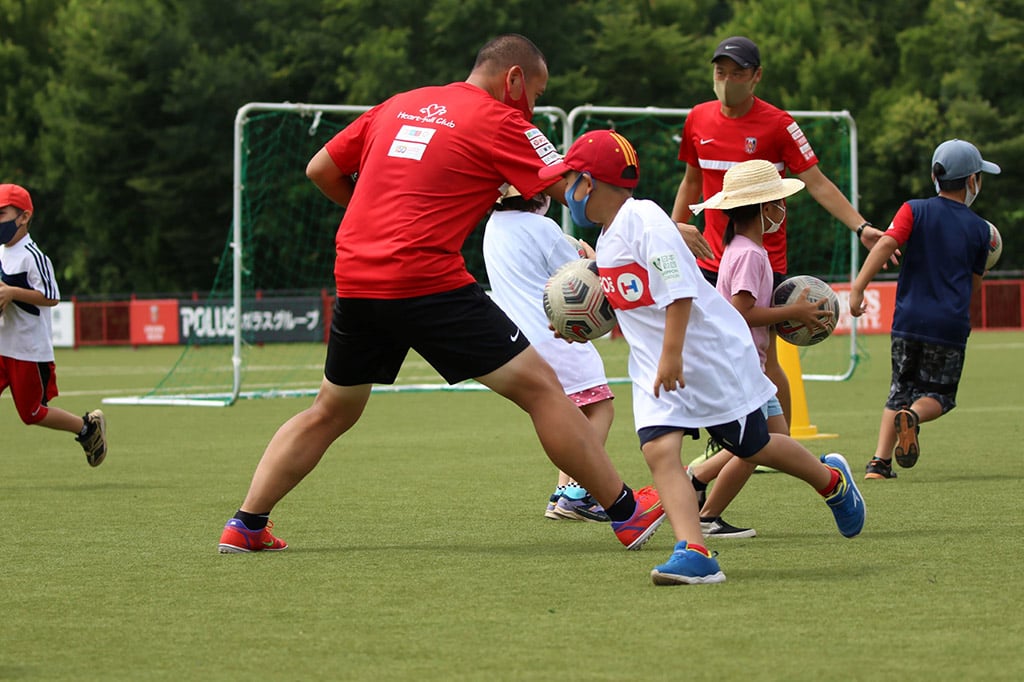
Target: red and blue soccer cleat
(237, 539)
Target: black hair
(740, 214)
(938, 170)
(520, 203)
(508, 50)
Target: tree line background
(117, 114)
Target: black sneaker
(94, 442)
(879, 468)
(717, 528)
(907, 448)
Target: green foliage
(118, 115)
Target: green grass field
(419, 549)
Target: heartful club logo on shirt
(432, 113)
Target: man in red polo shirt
(430, 162)
(737, 127)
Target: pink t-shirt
(745, 267)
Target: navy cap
(960, 159)
(741, 50)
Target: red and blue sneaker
(846, 502)
(688, 566)
(236, 539)
(649, 514)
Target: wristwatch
(860, 230)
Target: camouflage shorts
(921, 369)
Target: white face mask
(971, 196)
(773, 226)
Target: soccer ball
(995, 247)
(789, 291)
(575, 303)
(575, 243)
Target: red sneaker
(236, 538)
(649, 514)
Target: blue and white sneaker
(576, 504)
(846, 501)
(552, 503)
(688, 567)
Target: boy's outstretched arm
(877, 258)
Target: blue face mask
(578, 209)
(8, 230)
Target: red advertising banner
(881, 301)
(154, 322)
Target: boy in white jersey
(28, 289)
(522, 249)
(692, 359)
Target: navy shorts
(742, 437)
(924, 370)
(462, 334)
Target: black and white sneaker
(715, 527)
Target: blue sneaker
(552, 503)
(846, 501)
(576, 504)
(687, 567)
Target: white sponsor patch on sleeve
(667, 266)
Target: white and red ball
(789, 291)
(575, 303)
(576, 244)
(995, 247)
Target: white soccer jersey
(521, 251)
(645, 266)
(26, 331)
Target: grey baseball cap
(741, 50)
(960, 159)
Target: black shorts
(921, 369)
(462, 334)
(743, 437)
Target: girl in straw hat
(753, 200)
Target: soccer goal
(261, 331)
(818, 244)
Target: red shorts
(32, 384)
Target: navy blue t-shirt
(944, 243)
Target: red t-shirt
(715, 143)
(431, 162)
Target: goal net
(261, 331)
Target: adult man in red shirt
(738, 127)
(430, 162)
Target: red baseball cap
(15, 195)
(605, 154)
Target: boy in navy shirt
(944, 245)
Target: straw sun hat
(750, 183)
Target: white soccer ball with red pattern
(789, 291)
(575, 303)
(995, 247)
